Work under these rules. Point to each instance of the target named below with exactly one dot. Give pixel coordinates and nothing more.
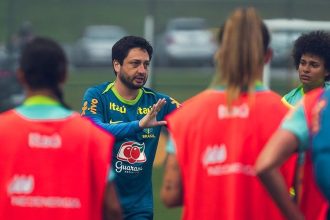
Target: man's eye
(135, 64)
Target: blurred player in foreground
(54, 163)
(218, 134)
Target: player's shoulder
(204, 96)
(294, 95)
(151, 92)
(7, 116)
(197, 102)
(269, 96)
(148, 91)
(100, 88)
(194, 107)
(270, 101)
(155, 95)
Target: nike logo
(114, 122)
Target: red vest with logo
(217, 149)
(52, 169)
(311, 201)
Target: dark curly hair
(316, 43)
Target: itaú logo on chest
(132, 152)
(236, 111)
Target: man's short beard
(129, 83)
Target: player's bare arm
(281, 145)
(171, 191)
(112, 209)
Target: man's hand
(149, 120)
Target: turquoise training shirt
(135, 148)
(295, 95)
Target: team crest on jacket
(132, 152)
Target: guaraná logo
(132, 152)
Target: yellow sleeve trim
(286, 103)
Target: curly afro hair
(316, 43)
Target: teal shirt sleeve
(293, 97)
(121, 130)
(296, 123)
(170, 147)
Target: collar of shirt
(40, 100)
(259, 86)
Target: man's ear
(116, 66)
(268, 55)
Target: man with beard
(134, 115)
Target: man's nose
(306, 68)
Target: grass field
(180, 83)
